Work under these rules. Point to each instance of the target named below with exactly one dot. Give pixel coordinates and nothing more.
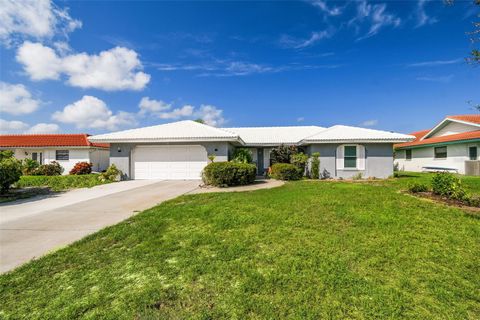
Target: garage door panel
(169, 162)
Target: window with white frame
(62, 155)
(350, 157)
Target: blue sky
(102, 66)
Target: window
(472, 153)
(350, 157)
(408, 154)
(440, 152)
(61, 155)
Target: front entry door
(260, 164)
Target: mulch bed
(447, 201)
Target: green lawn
(307, 250)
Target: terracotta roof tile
(473, 118)
(48, 140)
(452, 137)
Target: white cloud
(435, 63)
(114, 69)
(91, 112)
(148, 105)
(292, 42)
(208, 113)
(38, 19)
(16, 99)
(300, 119)
(44, 128)
(211, 115)
(421, 15)
(440, 79)
(12, 126)
(376, 16)
(322, 5)
(185, 111)
(369, 123)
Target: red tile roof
(452, 137)
(473, 118)
(48, 140)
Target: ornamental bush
(447, 185)
(111, 174)
(82, 168)
(418, 187)
(286, 171)
(52, 169)
(299, 160)
(10, 172)
(226, 174)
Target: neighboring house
(66, 149)
(180, 150)
(449, 146)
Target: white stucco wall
(457, 154)
(98, 157)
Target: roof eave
(166, 140)
(422, 145)
(356, 141)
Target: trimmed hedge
(60, 183)
(226, 174)
(286, 171)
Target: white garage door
(169, 162)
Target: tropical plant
(5, 154)
(315, 166)
(282, 154)
(29, 166)
(242, 155)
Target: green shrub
(6, 154)
(299, 160)
(242, 155)
(59, 183)
(225, 174)
(418, 187)
(81, 168)
(10, 172)
(29, 166)
(286, 171)
(447, 185)
(111, 174)
(282, 154)
(51, 169)
(315, 165)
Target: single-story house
(66, 149)
(180, 150)
(452, 145)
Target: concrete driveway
(33, 227)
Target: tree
(474, 57)
(283, 154)
(200, 121)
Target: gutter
(417, 146)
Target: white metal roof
(274, 135)
(180, 131)
(347, 134)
